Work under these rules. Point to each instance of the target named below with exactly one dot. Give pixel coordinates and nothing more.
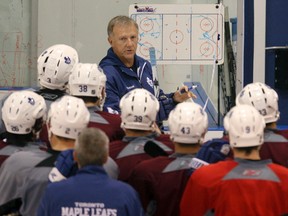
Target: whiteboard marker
(189, 88)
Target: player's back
(275, 147)
(153, 180)
(109, 123)
(240, 187)
(130, 151)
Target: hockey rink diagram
(181, 37)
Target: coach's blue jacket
(90, 192)
(121, 79)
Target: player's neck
(61, 144)
(186, 148)
(271, 125)
(90, 104)
(137, 133)
(254, 155)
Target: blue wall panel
(276, 36)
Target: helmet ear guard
(54, 66)
(139, 109)
(245, 126)
(188, 123)
(21, 110)
(263, 98)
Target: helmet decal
(31, 101)
(67, 60)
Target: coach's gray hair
(92, 147)
(120, 20)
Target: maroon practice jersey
(130, 151)
(275, 147)
(160, 183)
(3, 154)
(109, 123)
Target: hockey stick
(154, 150)
(152, 55)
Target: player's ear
(109, 40)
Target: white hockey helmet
(68, 116)
(245, 126)
(21, 110)
(55, 65)
(87, 80)
(139, 109)
(188, 123)
(263, 98)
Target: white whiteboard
(181, 33)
